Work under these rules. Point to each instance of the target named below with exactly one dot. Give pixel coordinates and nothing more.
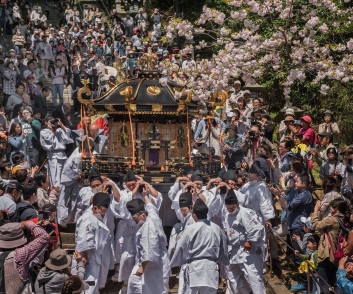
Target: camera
(141, 187)
(252, 135)
(223, 190)
(49, 228)
(54, 121)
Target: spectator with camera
(53, 139)
(255, 139)
(17, 253)
(62, 112)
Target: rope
(90, 151)
(272, 231)
(82, 142)
(133, 162)
(188, 136)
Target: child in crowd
(311, 261)
(309, 231)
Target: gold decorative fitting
(154, 90)
(126, 91)
(109, 108)
(218, 98)
(132, 107)
(157, 107)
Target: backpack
(15, 217)
(338, 254)
(3, 256)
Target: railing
(310, 273)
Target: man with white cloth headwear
(93, 239)
(151, 272)
(53, 140)
(246, 236)
(200, 247)
(125, 248)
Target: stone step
(67, 239)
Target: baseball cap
(307, 222)
(306, 118)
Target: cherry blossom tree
(289, 46)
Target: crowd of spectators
(41, 153)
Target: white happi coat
(201, 246)
(83, 201)
(55, 145)
(178, 229)
(92, 235)
(69, 188)
(245, 270)
(125, 248)
(151, 245)
(216, 208)
(174, 197)
(258, 198)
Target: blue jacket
(343, 283)
(300, 205)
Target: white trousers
(67, 203)
(55, 167)
(149, 283)
(247, 276)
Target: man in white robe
(195, 186)
(151, 272)
(71, 185)
(200, 247)
(125, 248)
(246, 236)
(216, 195)
(86, 193)
(185, 204)
(258, 198)
(53, 140)
(92, 240)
